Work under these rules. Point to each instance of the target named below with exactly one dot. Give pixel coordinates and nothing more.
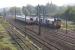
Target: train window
(31, 19)
(47, 21)
(41, 20)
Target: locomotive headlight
(57, 23)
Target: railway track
(57, 34)
(16, 39)
(21, 41)
(62, 39)
(47, 45)
(34, 28)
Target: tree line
(48, 9)
(69, 13)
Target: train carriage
(50, 22)
(29, 20)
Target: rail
(22, 40)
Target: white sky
(10, 3)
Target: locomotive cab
(57, 23)
(53, 23)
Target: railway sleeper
(23, 40)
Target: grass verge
(6, 42)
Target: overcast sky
(10, 3)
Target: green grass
(5, 39)
(70, 25)
(4, 22)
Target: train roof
(53, 19)
(27, 17)
(21, 16)
(50, 19)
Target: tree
(69, 13)
(25, 11)
(13, 9)
(31, 9)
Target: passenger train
(47, 22)
(29, 20)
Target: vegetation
(50, 9)
(69, 13)
(5, 40)
(70, 25)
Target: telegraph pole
(4, 13)
(66, 15)
(44, 12)
(66, 25)
(15, 13)
(25, 14)
(38, 13)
